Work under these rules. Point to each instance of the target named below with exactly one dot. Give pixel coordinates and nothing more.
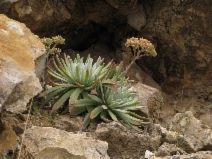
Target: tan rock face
(197, 135)
(150, 97)
(48, 143)
(127, 144)
(19, 50)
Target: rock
(198, 136)
(150, 97)
(148, 154)
(8, 137)
(198, 155)
(5, 5)
(19, 50)
(127, 144)
(167, 149)
(184, 59)
(69, 124)
(48, 143)
(177, 139)
(14, 121)
(95, 51)
(137, 18)
(124, 7)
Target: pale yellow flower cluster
(51, 43)
(145, 45)
(56, 39)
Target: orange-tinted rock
(19, 50)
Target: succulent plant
(110, 105)
(77, 78)
(94, 88)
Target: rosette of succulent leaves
(95, 88)
(101, 91)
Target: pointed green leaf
(85, 102)
(57, 75)
(66, 74)
(53, 89)
(113, 105)
(53, 94)
(95, 98)
(73, 98)
(87, 76)
(78, 74)
(77, 110)
(109, 81)
(90, 108)
(86, 121)
(75, 94)
(113, 116)
(129, 119)
(104, 117)
(104, 107)
(96, 112)
(61, 100)
(137, 116)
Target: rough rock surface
(197, 155)
(123, 143)
(48, 143)
(19, 50)
(184, 50)
(183, 46)
(21, 60)
(198, 136)
(150, 97)
(69, 124)
(83, 20)
(179, 29)
(167, 149)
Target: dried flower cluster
(139, 43)
(141, 47)
(48, 42)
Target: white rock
(148, 154)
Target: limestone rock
(48, 143)
(198, 136)
(137, 18)
(19, 50)
(176, 138)
(197, 155)
(150, 97)
(127, 144)
(69, 124)
(167, 149)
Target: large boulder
(195, 134)
(123, 143)
(48, 143)
(150, 97)
(22, 61)
(19, 51)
